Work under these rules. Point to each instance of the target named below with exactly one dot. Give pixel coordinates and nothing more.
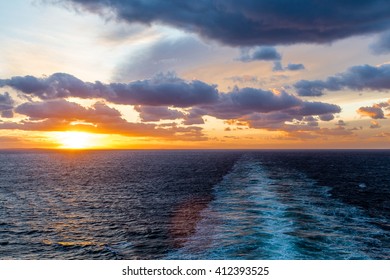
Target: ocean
(220, 204)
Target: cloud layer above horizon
(155, 100)
(207, 71)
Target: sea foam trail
(245, 217)
(255, 217)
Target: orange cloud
(62, 115)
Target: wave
(254, 216)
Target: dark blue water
(195, 205)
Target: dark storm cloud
(259, 53)
(249, 22)
(167, 90)
(356, 78)
(382, 46)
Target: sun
(76, 140)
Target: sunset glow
(76, 140)
(169, 81)
(194, 130)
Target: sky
(207, 74)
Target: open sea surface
(195, 204)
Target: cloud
(302, 117)
(277, 66)
(155, 99)
(154, 114)
(164, 90)
(374, 124)
(385, 105)
(316, 133)
(338, 131)
(382, 46)
(326, 117)
(270, 110)
(161, 90)
(316, 108)
(62, 115)
(375, 111)
(6, 105)
(244, 79)
(6, 101)
(266, 53)
(259, 53)
(383, 135)
(58, 85)
(363, 77)
(9, 139)
(62, 109)
(269, 121)
(310, 88)
(165, 54)
(290, 67)
(251, 23)
(248, 100)
(195, 116)
(15, 142)
(310, 121)
(295, 66)
(7, 114)
(372, 112)
(341, 123)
